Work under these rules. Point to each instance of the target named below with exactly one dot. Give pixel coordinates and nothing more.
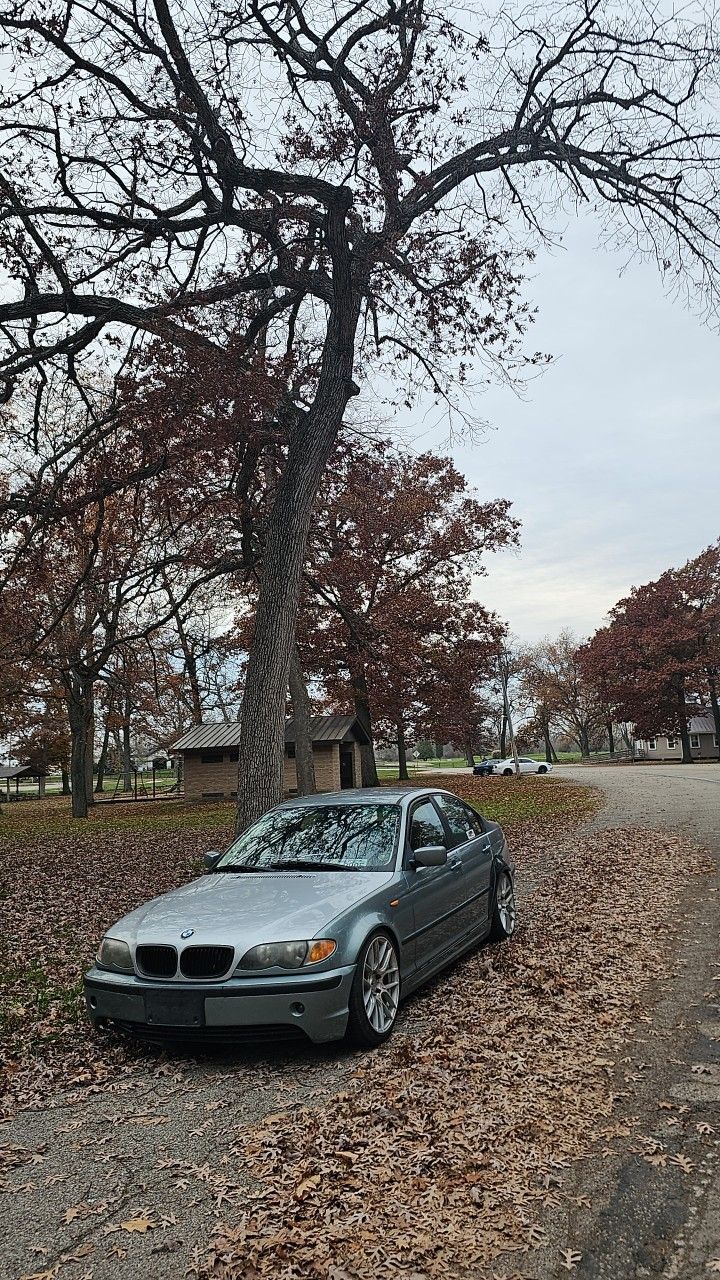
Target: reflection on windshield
(354, 837)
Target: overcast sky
(612, 458)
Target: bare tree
(362, 206)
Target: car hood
(246, 909)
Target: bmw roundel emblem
(187, 933)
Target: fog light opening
(297, 1009)
(93, 1002)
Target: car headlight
(115, 954)
(287, 955)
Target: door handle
(456, 864)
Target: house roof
(21, 771)
(701, 724)
(226, 733)
(330, 729)
(696, 724)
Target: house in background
(703, 743)
(210, 756)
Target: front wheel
(375, 993)
(543, 768)
(508, 773)
(504, 918)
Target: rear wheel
(375, 993)
(504, 917)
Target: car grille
(157, 961)
(205, 962)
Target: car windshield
(333, 837)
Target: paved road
(684, 797)
(642, 1223)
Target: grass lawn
(505, 800)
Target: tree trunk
(260, 764)
(611, 737)
(584, 742)
(89, 753)
(548, 744)
(503, 738)
(102, 759)
(189, 656)
(65, 780)
(469, 755)
(715, 704)
(402, 753)
(682, 716)
(304, 763)
(41, 786)
(80, 716)
(126, 756)
(363, 713)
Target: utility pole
(506, 703)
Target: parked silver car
(319, 918)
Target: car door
(436, 892)
(470, 842)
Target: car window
(426, 826)
(355, 837)
(474, 820)
(464, 825)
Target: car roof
(361, 795)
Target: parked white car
(526, 766)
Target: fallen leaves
(500, 1076)
(448, 1145)
(140, 1225)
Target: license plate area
(174, 1009)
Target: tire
(373, 1018)
(507, 773)
(504, 917)
(542, 768)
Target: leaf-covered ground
(440, 1155)
(453, 1141)
(63, 882)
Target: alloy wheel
(505, 899)
(381, 984)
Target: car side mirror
(211, 859)
(430, 855)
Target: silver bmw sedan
(319, 918)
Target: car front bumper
(315, 1004)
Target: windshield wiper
(307, 864)
(238, 867)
